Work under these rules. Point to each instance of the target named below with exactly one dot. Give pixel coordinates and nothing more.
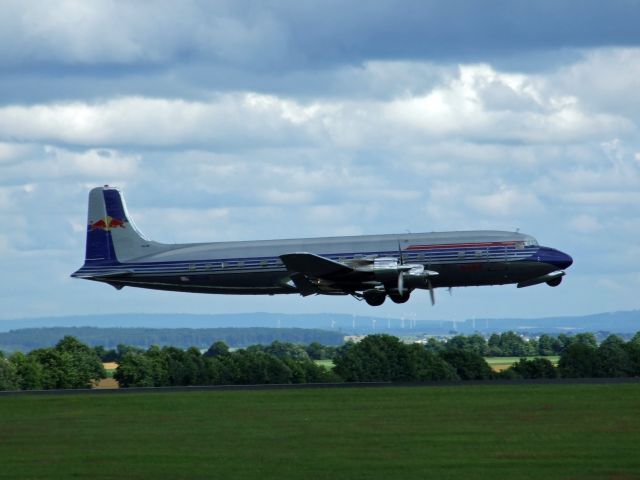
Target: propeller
(432, 293)
(401, 274)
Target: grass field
(496, 363)
(523, 432)
(502, 363)
(328, 364)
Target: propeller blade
(431, 292)
(401, 283)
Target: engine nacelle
(554, 282)
(388, 270)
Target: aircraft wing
(315, 274)
(313, 265)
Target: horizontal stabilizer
(100, 275)
(313, 265)
(549, 277)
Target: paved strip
(311, 386)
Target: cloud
(462, 107)
(288, 35)
(47, 163)
(244, 120)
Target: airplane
(369, 267)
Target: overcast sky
(247, 120)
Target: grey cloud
(298, 35)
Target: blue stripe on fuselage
(429, 257)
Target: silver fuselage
(463, 258)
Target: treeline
(27, 339)
(72, 364)
(375, 358)
(510, 344)
(276, 363)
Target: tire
(375, 299)
(395, 298)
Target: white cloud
(419, 146)
(53, 163)
(462, 107)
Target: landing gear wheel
(396, 298)
(375, 299)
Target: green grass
(328, 364)
(497, 432)
(511, 360)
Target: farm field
(502, 363)
(492, 431)
(496, 363)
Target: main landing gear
(397, 298)
(375, 298)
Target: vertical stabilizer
(112, 237)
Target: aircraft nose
(555, 257)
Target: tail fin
(112, 237)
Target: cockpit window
(531, 242)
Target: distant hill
(616, 322)
(31, 338)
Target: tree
(9, 379)
(468, 365)
(428, 366)
(218, 349)
(613, 358)
(513, 345)
(106, 355)
(135, 370)
(256, 368)
(375, 358)
(633, 351)
(386, 358)
(82, 367)
(30, 371)
(54, 367)
(588, 339)
(494, 344)
(433, 345)
(317, 351)
(578, 360)
(535, 368)
(284, 350)
(548, 345)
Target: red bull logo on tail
(107, 223)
